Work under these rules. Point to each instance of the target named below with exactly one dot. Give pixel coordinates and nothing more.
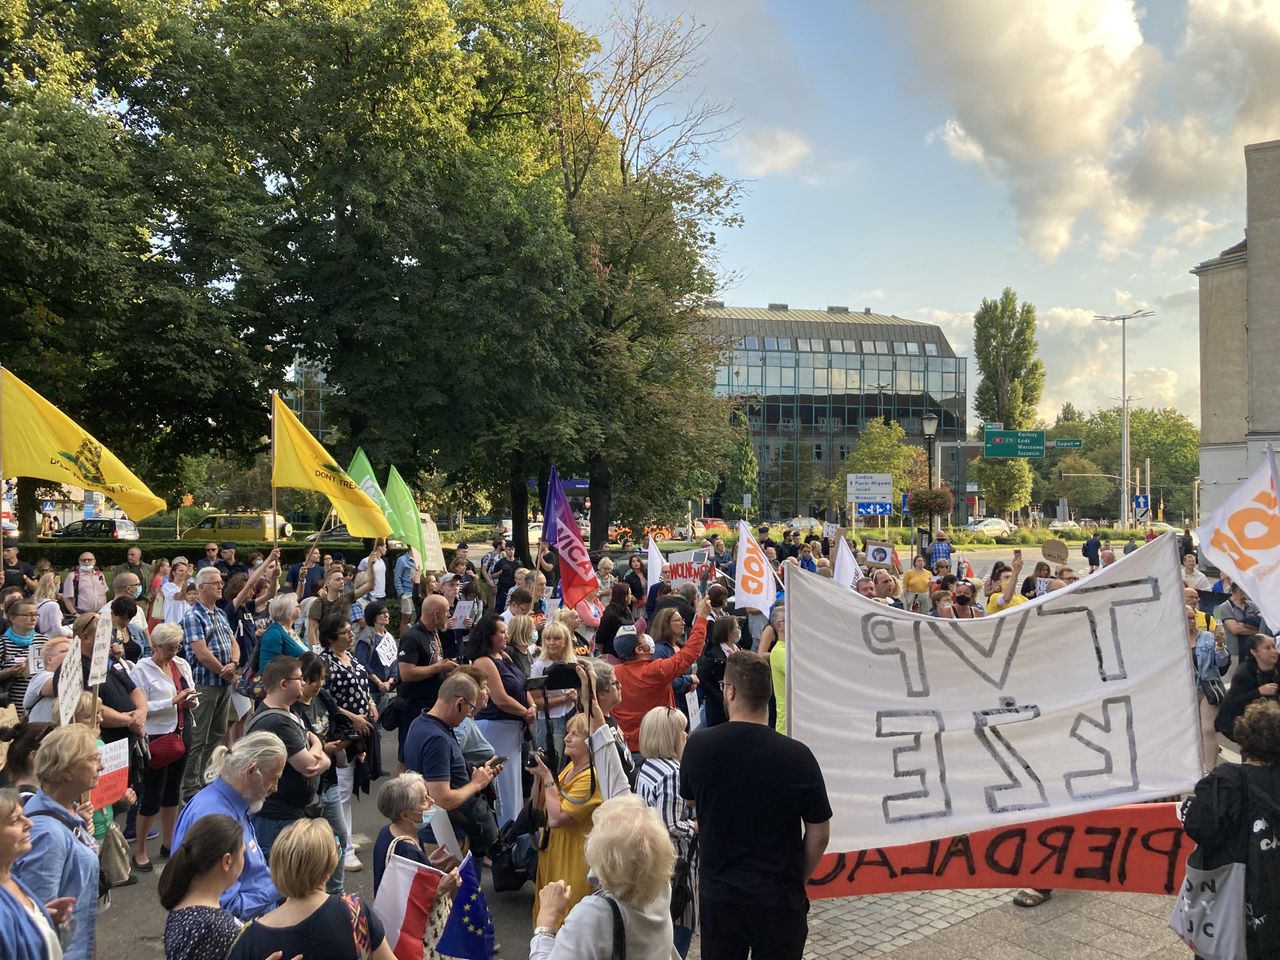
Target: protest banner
(927, 728)
(1137, 848)
(689, 566)
(1055, 551)
(114, 778)
(70, 686)
(754, 583)
(101, 652)
(433, 551)
(35, 656)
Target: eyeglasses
(293, 679)
(471, 707)
(86, 559)
(210, 549)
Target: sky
(916, 156)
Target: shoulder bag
(359, 926)
(682, 881)
(169, 748)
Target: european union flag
(468, 933)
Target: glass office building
(810, 380)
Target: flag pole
(275, 531)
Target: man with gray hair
(127, 584)
(209, 646)
(239, 781)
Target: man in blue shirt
(244, 777)
(941, 549)
(404, 577)
(432, 750)
(209, 646)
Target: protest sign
(35, 656)
(879, 553)
(114, 778)
(101, 652)
(689, 567)
(1055, 551)
(433, 555)
(754, 584)
(70, 686)
(1138, 848)
(926, 728)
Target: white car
(1064, 525)
(991, 526)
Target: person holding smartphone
(1007, 596)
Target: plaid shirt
(214, 629)
(940, 550)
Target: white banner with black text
(927, 728)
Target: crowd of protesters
(617, 737)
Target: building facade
(1240, 338)
(811, 379)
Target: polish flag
(404, 902)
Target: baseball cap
(449, 578)
(627, 640)
(229, 545)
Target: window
(788, 376)
(845, 450)
(820, 378)
(931, 349)
(817, 453)
(913, 348)
(882, 347)
(806, 379)
(868, 346)
(771, 343)
(818, 346)
(899, 348)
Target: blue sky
(914, 156)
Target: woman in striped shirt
(663, 733)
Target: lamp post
(1124, 318)
(929, 427)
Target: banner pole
(275, 532)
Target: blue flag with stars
(468, 933)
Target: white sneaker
(351, 863)
(359, 840)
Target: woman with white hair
(279, 639)
(165, 681)
(631, 855)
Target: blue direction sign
(874, 509)
(904, 511)
(1141, 502)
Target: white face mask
(86, 567)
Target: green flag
(362, 473)
(403, 513)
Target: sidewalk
(984, 925)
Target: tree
(1005, 484)
(1069, 415)
(742, 475)
(881, 448)
(1004, 339)
(1089, 496)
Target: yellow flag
(39, 440)
(299, 461)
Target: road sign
(1066, 443)
(874, 509)
(905, 510)
(1009, 444)
(746, 501)
(996, 425)
(868, 488)
(1142, 507)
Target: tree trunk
(519, 491)
(599, 487)
(24, 509)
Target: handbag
(249, 683)
(1209, 912)
(1214, 692)
(682, 881)
(169, 748)
(359, 926)
(113, 857)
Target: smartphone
(498, 761)
(1017, 554)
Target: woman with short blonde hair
(663, 734)
(311, 922)
(48, 610)
(632, 857)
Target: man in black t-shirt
(282, 681)
(503, 572)
(122, 705)
(422, 665)
(754, 858)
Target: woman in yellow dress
(569, 808)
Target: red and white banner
(689, 567)
(404, 903)
(560, 528)
(113, 781)
(754, 585)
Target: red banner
(1135, 849)
(113, 781)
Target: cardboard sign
(387, 650)
(1138, 848)
(928, 728)
(114, 778)
(689, 567)
(879, 553)
(35, 656)
(1055, 551)
(693, 709)
(70, 685)
(433, 561)
(101, 658)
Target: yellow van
(240, 526)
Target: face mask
(137, 591)
(86, 567)
(964, 599)
(426, 817)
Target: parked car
(715, 525)
(697, 533)
(805, 525)
(991, 526)
(1160, 527)
(242, 526)
(99, 528)
(1064, 525)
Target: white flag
(753, 578)
(1242, 539)
(847, 573)
(655, 562)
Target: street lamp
(929, 427)
(1123, 318)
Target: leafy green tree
(1005, 484)
(1069, 415)
(1004, 341)
(742, 474)
(1088, 496)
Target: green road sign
(1013, 443)
(1068, 443)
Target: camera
(559, 676)
(536, 755)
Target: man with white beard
(239, 781)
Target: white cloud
(876, 294)
(761, 153)
(1088, 124)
